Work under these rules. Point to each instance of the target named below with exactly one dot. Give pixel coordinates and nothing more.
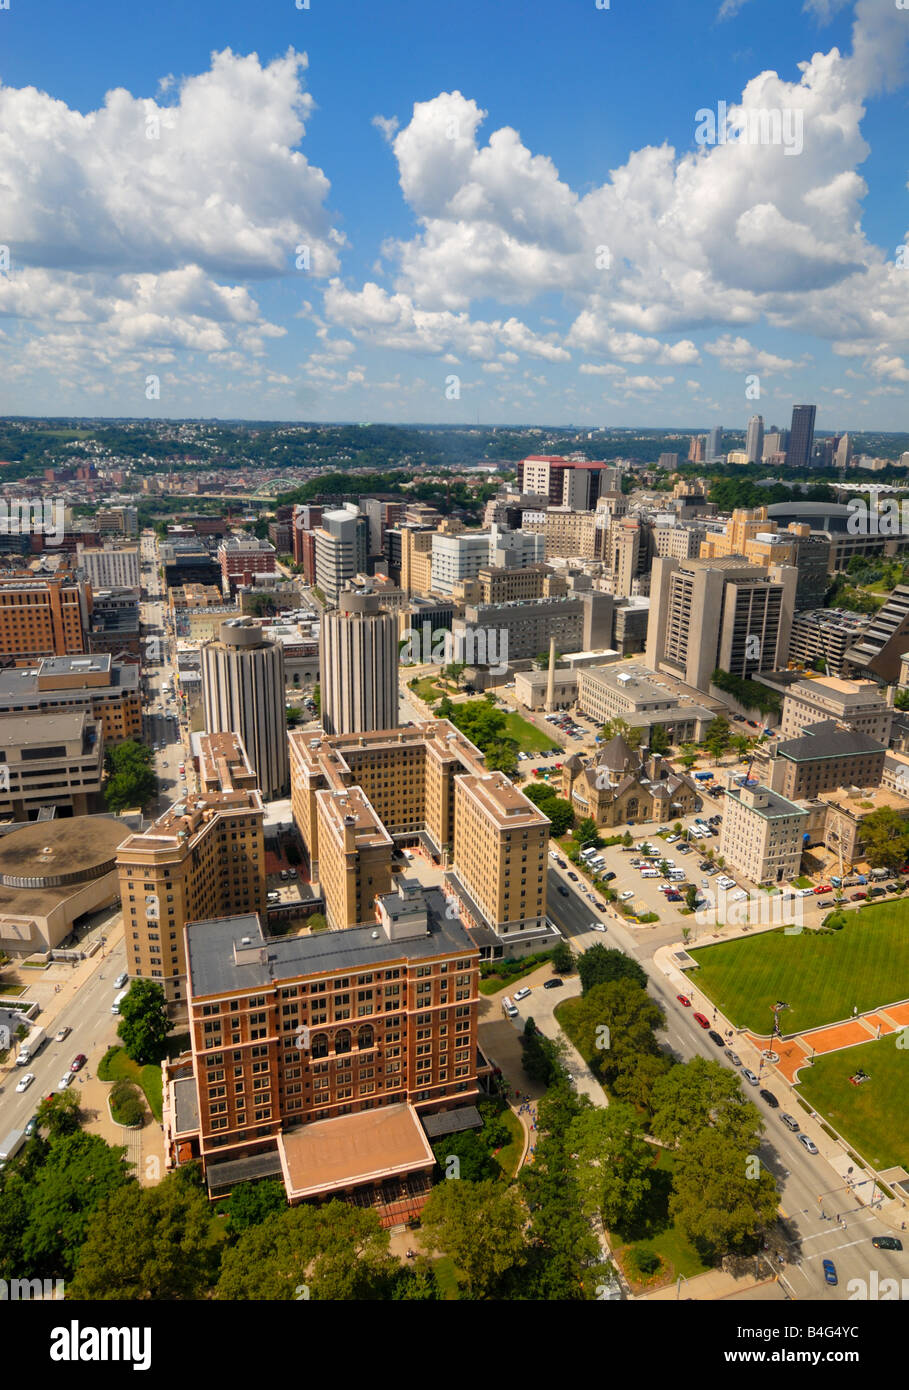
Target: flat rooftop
(854, 692)
(352, 1150)
(189, 817)
(828, 739)
(74, 665)
(863, 801)
(213, 969)
(501, 799)
(20, 730)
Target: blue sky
(505, 212)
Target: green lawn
(446, 1277)
(428, 690)
(658, 1234)
(116, 1066)
(872, 1117)
(821, 978)
(528, 738)
(507, 1158)
(492, 983)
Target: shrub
(644, 1262)
(126, 1104)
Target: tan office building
(762, 834)
(860, 705)
(427, 785)
(50, 760)
(203, 858)
(725, 613)
(107, 689)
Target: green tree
(688, 755)
(716, 739)
(630, 1016)
(58, 1114)
(252, 1202)
(476, 1164)
(542, 1056)
(560, 814)
(335, 1251)
(614, 1164)
(454, 671)
(78, 1172)
(599, 965)
(144, 1024)
(718, 1199)
(659, 740)
(131, 780)
(702, 1094)
(480, 1225)
(691, 897)
(294, 714)
(148, 1243)
(886, 838)
(562, 958)
(585, 832)
(317, 697)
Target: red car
(78, 1062)
(823, 888)
(704, 1022)
(685, 1002)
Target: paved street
(812, 1228)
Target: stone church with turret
(621, 785)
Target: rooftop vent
(245, 940)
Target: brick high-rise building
(426, 784)
(202, 858)
(43, 615)
(315, 1058)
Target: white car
(724, 881)
(803, 1139)
(65, 1080)
(24, 1083)
(739, 896)
(62, 1034)
(520, 994)
(629, 893)
(598, 926)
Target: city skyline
(266, 220)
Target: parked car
(830, 1272)
(573, 876)
(624, 897)
(554, 983)
(824, 888)
(64, 1081)
(886, 1243)
(715, 1037)
(561, 863)
(857, 897)
(673, 897)
(519, 994)
(808, 1144)
(734, 1057)
(700, 1019)
(78, 1062)
(750, 1077)
(685, 1002)
(790, 1121)
(770, 1098)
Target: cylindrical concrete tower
(243, 690)
(358, 664)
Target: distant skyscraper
(696, 449)
(754, 439)
(243, 692)
(801, 436)
(358, 663)
(844, 452)
(715, 443)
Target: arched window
(365, 1036)
(631, 808)
(319, 1045)
(342, 1040)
